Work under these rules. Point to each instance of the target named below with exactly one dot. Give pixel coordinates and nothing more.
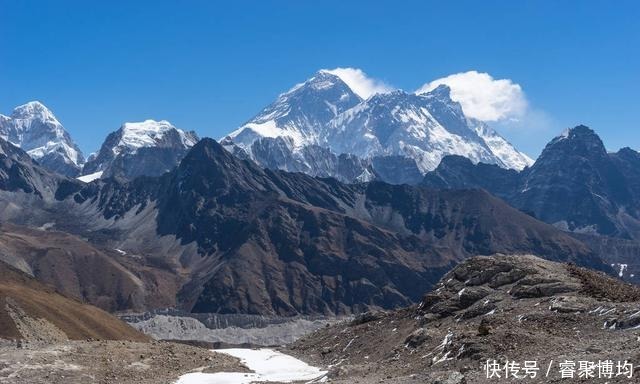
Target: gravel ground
(111, 362)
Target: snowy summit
(34, 128)
(147, 148)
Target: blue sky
(209, 66)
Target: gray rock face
(148, 148)
(36, 130)
(19, 172)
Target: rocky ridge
(487, 308)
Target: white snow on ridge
(267, 366)
(147, 134)
(501, 148)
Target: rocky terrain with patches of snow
(323, 128)
(147, 148)
(35, 129)
(505, 308)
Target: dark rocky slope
(279, 243)
(574, 184)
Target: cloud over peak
(363, 85)
(482, 97)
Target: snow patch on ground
(267, 366)
(90, 177)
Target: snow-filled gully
(267, 366)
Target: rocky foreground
(107, 362)
(502, 308)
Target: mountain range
(323, 128)
(320, 127)
(324, 203)
(220, 234)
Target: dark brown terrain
(103, 277)
(48, 338)
(271, 242)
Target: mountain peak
(34, 128)
(298, 114)
(149, 133)
(207, 147)
(33, 110)
(442, 92)
(342, 111)
(144, 148)
(322, 80)
(579, 134)
(579, 131)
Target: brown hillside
(31, 310)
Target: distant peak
(32, 105)
(358, 81)
(580, 138)
(150, 133)
(442, 92)
(33, 109)
(577, 132)
(321, 80)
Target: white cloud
(482, 97)
(359, 82)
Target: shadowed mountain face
(19, 172)
(574, 184)
(271, 242)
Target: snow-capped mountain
(290, 133)
(395, 136)
(35, 129)
(299, 115)
(422, 127)
(147, 148)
